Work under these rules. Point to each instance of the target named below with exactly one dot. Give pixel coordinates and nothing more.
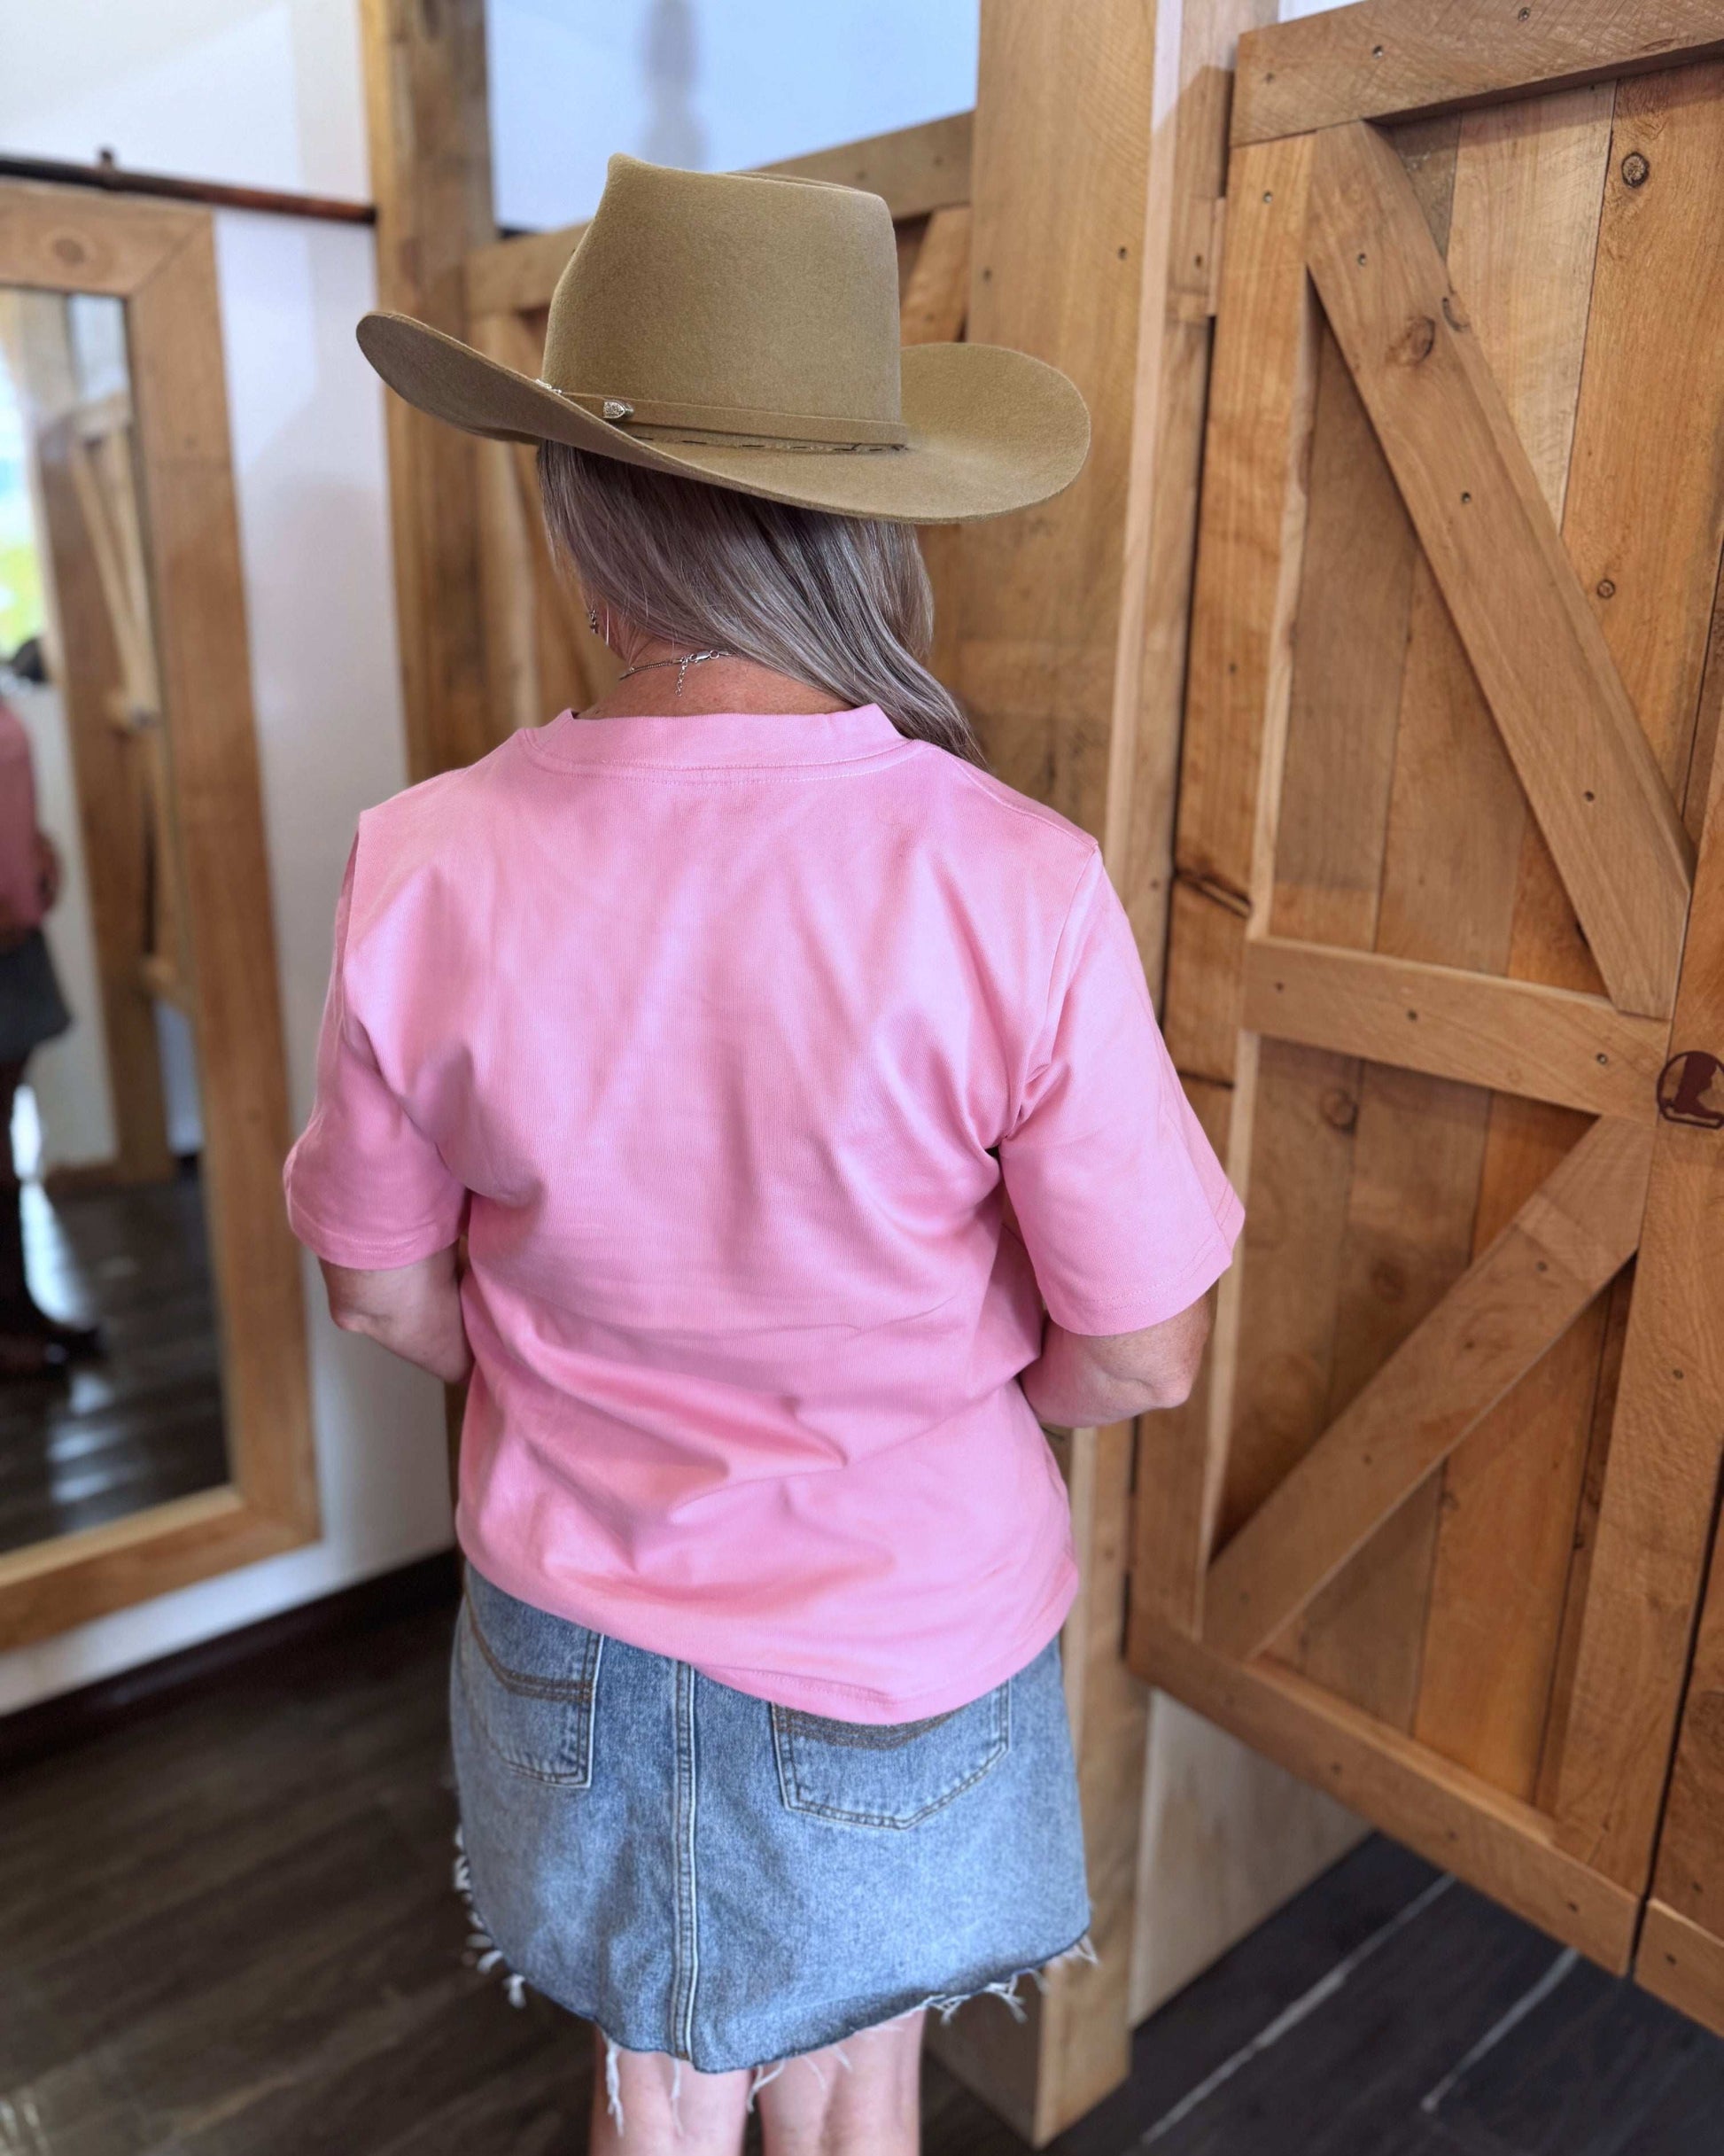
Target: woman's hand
(50, 873)
(413, 1311)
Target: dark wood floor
(143, 1423)
(227, 1930)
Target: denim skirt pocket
(892, 1774)
(531, 1681)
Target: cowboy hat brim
(989, 429)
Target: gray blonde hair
(841, 602)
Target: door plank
(1666, 1442)
(1457, 817)
(1501, 1846)
(1512, 1036)
(1246, 580)
(1564, 718)
(1359, 558)
(1563, 1246)
(1382, 58)
(1640, 524)
(1353, 601)
(1645, 517)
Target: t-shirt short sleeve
(1124, 1209)
(366, 1188)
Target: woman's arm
(413, 1311)
(1081, 1379)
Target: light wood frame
(1320, 197)
(161, 260)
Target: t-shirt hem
(864, 1703)
(1132, 1314)
(367, 1253)
(867, 1704)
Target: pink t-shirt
(20, 871)
(725, 1038)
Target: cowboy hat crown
(741, 329)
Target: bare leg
(862, 2098)
(32, 1343)
(666, 2113)
(23, 1352)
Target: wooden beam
(1386, 57)
(1576, 1231)
(1248, 562)
(938, 297)
(1518, 1037)
(430, 171)
(1539, 655)
(1496, 1844)
(1247, 581)
(1184, 199)
(1057, 272)
(918, 170)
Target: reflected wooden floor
(230, 1931)
(144, 1424)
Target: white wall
(715, 84)
(270, 95)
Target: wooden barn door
(1433, 1528)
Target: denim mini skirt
(733, 1882)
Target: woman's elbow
(353, 1317)
(1178, 1359)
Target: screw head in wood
(1606, 588)
(1636, 170)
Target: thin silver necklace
(682, 664)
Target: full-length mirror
(110, 1378)
(154, 1422)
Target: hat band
(768, 430)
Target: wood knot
(1454, 314)
(1338, 1108)
(1415, 341)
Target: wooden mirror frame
(160, 260)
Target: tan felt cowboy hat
(742, 330)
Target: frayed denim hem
(489, 1958)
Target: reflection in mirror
(110, 1378)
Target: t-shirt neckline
(710, 740)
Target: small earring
(593, 620)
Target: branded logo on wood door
(1691, 1090)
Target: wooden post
(1098, 161)
(430, 175)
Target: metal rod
(114, 179)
